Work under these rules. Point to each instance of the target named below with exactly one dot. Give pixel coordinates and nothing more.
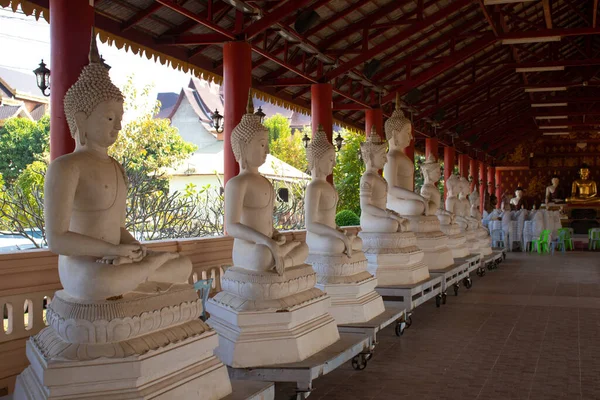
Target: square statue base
(185, 370)
(354, 303)
(431, 240)
(252, 338)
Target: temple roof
(453, 62)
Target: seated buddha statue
(375, 216)
(431, 172)
(249, 197)
(85, 195)
(323, 236)
(518, 202)
(399, 172)
(553, 192)
(584, 190)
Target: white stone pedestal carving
(457, 241)
(267, 318)
(139, 347)
(431, 240)
(349, 285)
(394, 258)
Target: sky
(25, 41)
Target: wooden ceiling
(469, 71)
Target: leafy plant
(347, 218)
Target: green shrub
(347, 218)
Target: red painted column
(482, 184)
(70, 33)
(237, 78)
(473, 172)
(321, 110)
(374, 117)
(449, 161)
(431, 148)
(499, 188)
(463, 165)
(491, 173)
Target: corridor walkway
(528, 330)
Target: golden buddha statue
(584, 190)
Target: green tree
(348, 170)
(277, 125)
(22, 142)
(289, 148)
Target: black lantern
(261, 114)
(339, 141)
(217, 119)
(305, 140)
(42, 76)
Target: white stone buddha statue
(473, 215)
(448, 225)
(269, 311)
(474, 200)
(120, 301)
(323, 236)
(390, 248)
(336, 256)
(375, 216)
(399, 171)
(429, 191)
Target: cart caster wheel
(438, 300)
(408, 322)
(399, 329)
(301, 396)
(490, 266)
(456, 287)
(468, 283)
(359, 362)
(444, 298)
(368, 356)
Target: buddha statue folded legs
(125, 313)
(336, 255)
(269, 296)
(419, 209)
(389, 247)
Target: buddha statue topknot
(269, 285)
(336, 255)
(391, 250)
(122, 304)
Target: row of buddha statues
(127, 316)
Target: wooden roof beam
(369, 54)
(273, 17)
(140, 16)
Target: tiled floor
(528, 330)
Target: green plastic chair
(593, 238)
(203, 288)
(564, 241)
(542, 244)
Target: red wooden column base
(321, 111)
(237, 78)
(70, 31)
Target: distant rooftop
(22, 82)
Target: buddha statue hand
(125, 254)
(403, 224)
(279, 248)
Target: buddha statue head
(430, 169)
(555, 180)
(584, 172)
(250, 139)
(94, 105)
(519, 192)
(398, 130)
(373, 150)
(320, 154)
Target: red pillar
(70, 33)
(482, 184)
(449, 157)
(499, 187)
(473, 173)
(491, 173)
(374, 117)
(321, 110)
(431, 148)
(463, 165)
(237, 78)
